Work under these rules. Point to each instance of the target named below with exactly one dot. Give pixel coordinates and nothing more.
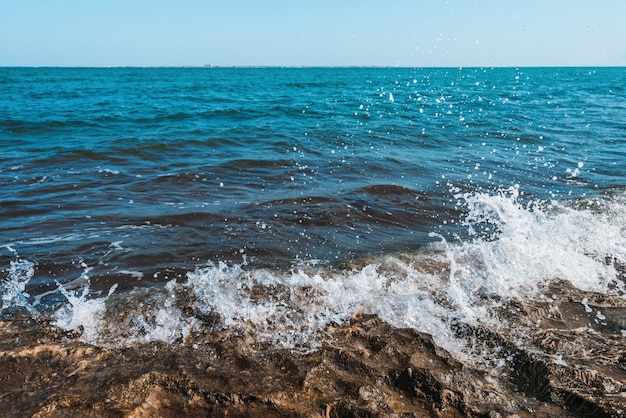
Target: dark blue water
(149, 172)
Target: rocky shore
(569, 365)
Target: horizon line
(308, 66)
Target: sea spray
(140, 316)
(13, 286)
(82, 314)
(155, 316)
(532, 244)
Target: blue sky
(410, 33)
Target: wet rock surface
(560, 361)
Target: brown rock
(366, 368)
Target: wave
(23, 127)
(516, 252)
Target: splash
(141, 316)
(154, 316)
(517, 251)
(82, 314)
(13, 287)
(528, 246)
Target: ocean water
(138, 204)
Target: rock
(365, 368)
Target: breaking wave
(513, 250)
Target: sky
(406, 33)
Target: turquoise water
(136, 176)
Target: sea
(139, 204)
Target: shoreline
(365, 367)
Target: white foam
(82, 314)
(163, 321)
(50, 239)
(108, 171)
(536, 244)
(13, 287)
(125, 322)
(290, 309)
(166, 324)
(132, 273)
